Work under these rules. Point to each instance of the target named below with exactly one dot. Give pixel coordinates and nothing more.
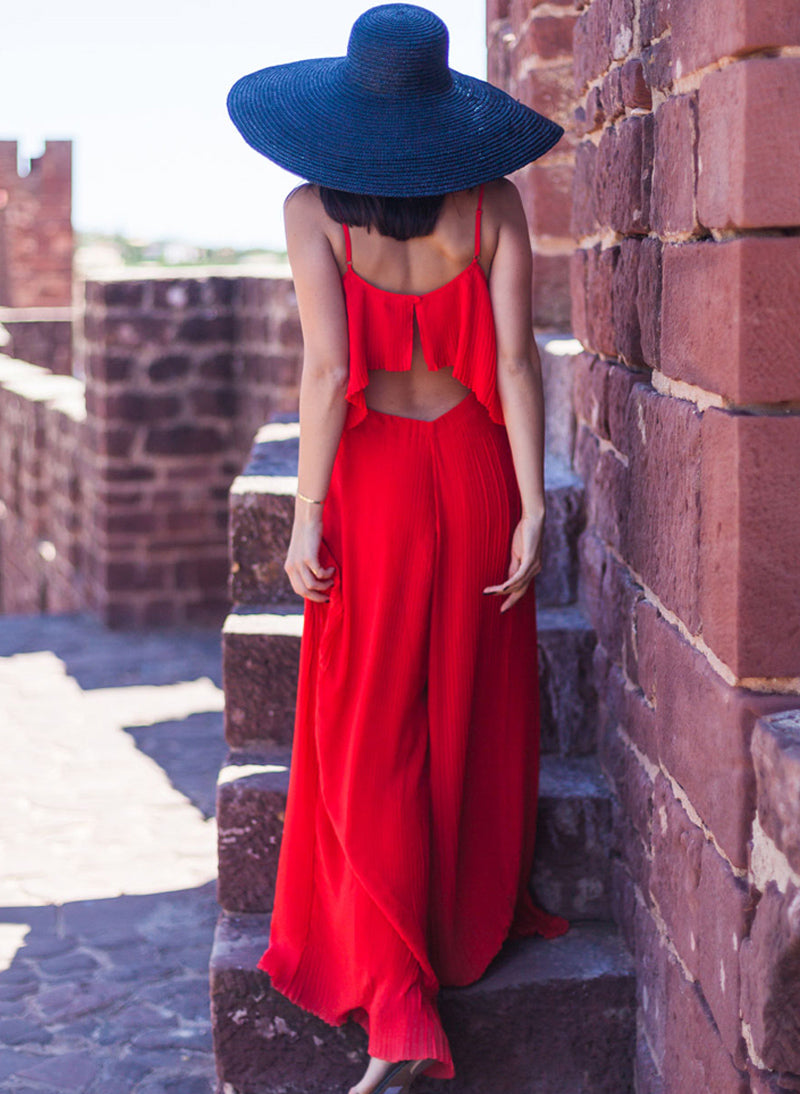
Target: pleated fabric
(410, 821)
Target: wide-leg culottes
(410, 819)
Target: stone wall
(115, 487)
(40, 336)
(36, 228)
(684, 284)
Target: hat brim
(309, 119)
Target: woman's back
(436, 264)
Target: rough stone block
(251, 802)
(550, 294)
(771, 979)
(648, 299)
(568, 700)
(607, 487)
(673, 203)
(600, 266)
(547, 193)
(749, 149)
(636, 95)
(776, 758)
(547, 37)
(625, 312)
(727, 306)
(750, 535)
(703, 33)
(592, 43)
(622, 176)
(705, 909)
(663, 514)
(524, 1007)
(695, 1057)
(260, 657)
(711, 763)
(584, 211)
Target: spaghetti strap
(478, 223)
(347, 245)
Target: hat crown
(398, 50)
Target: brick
(672, 209)
(770, 979)
(607, 488)
(713, 763)
(592, 43)
(749, 121)
(622, 176)
(218, 367)
(660, 523)
(185, 440)
(171, 367)
(703, 33)
(213, 402)
(549, 90)
(584, 215)
(611, 95)
(600, 266)
(705, 909)
(133, 575)
(547, 193)
(624, 292)
(131, 406)
(551, 301)
(694, 1056)
(206, 328)
(260, 680)
(577, 283)
(250, 811)
(636, 95)
(126, 294)
(776, 758)
(648, 299)
(546, 37)
(261, 525)
(750, 534)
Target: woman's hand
(526, 560)
(309, 579)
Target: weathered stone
(705, 909)
(648, 299)
(770, 963)
(571, 867)
(251, 801)
(551, 303)
(750, 535)
(663, 505)
(673, 204)
(600, 266)
(636, 95)
(567, 696)
(625, 302)
(776, 758)
(727, 305)
(524, 1006)
(260, 656)
(701, 34)
(694, 1056)
(749, 155)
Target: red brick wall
(36, 228)
(125, 512)
(685, 283)
(530, 56)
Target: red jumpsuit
(411, 812)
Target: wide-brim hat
(391, 117)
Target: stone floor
(110, 747)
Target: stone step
(553, 1017)
(260, 653)
(571, 873)
(262, 506)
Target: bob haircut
(400, 218)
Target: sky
(141, 88)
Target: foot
(376, 1070)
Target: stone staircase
(552, 1017)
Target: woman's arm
(519, 385)
(323, 405)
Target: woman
(410, 819)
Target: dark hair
(400, 218)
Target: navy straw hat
(391, 117)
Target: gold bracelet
(311, 501)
